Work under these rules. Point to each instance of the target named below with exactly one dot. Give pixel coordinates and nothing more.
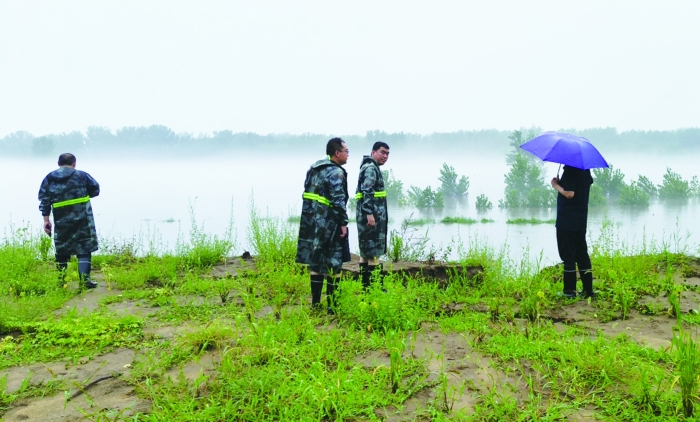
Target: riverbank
(176, 338)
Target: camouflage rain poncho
(371, 199)
(323, 212)
(74, 225)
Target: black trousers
(573, 250)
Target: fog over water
(141, 196)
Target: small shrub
(610, 180)
(450, 186)
(483, 203)
(393, 188)
(647, 186)
(425, 198)
(673, 186)
(596, 198)
(633, 194)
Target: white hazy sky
(347, 67)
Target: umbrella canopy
(565, 148)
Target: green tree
(393, 187)
(611, 180)
(647, 186)
(43, 146)
(525, 186)
(633, 194)
(516, 139)
(451, 187)
(673, 186)
(596, 198)
(426, 198)
(483, 203)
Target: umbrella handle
(558, 171)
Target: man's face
(380, 155)
(342, 155)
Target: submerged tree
(610, 180)
(673, 186)
(633, 194)
(526, 187)
(393, 187)
(516, 139)
(451, 187)
(426, 198)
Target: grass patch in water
(530, 221)
(458, 220)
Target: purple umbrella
(567, 149)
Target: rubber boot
(316, 290)
(364, 276)
(331, 292)
(587, 281)
(569, 282)
(84, 268)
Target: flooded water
(142, 196)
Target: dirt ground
(101, 383)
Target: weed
(688, 369)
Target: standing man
(323, 232)
(67, 192)
(572, 218)
(372, 213)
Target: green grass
(420, 222)
(458, 220)
(274, 359)
(530, 221)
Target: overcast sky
(348, 67)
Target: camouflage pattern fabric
(372, 239)
(320, 245)
(74, 225)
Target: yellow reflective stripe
(71, 202)
(318, 198)
(378, 194)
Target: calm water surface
(143, 196)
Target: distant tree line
(162, 141)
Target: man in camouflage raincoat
(66, 192)
(323, 232)
(372, 213)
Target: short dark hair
(66, 159)
(378, 145)
(334, 145)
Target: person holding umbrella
(578, 156)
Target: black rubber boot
(84, 269)
(587, 281)
(316, 290)
(331, 292)
(569, 282)
(364, 275)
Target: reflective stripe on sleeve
(378, 194)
